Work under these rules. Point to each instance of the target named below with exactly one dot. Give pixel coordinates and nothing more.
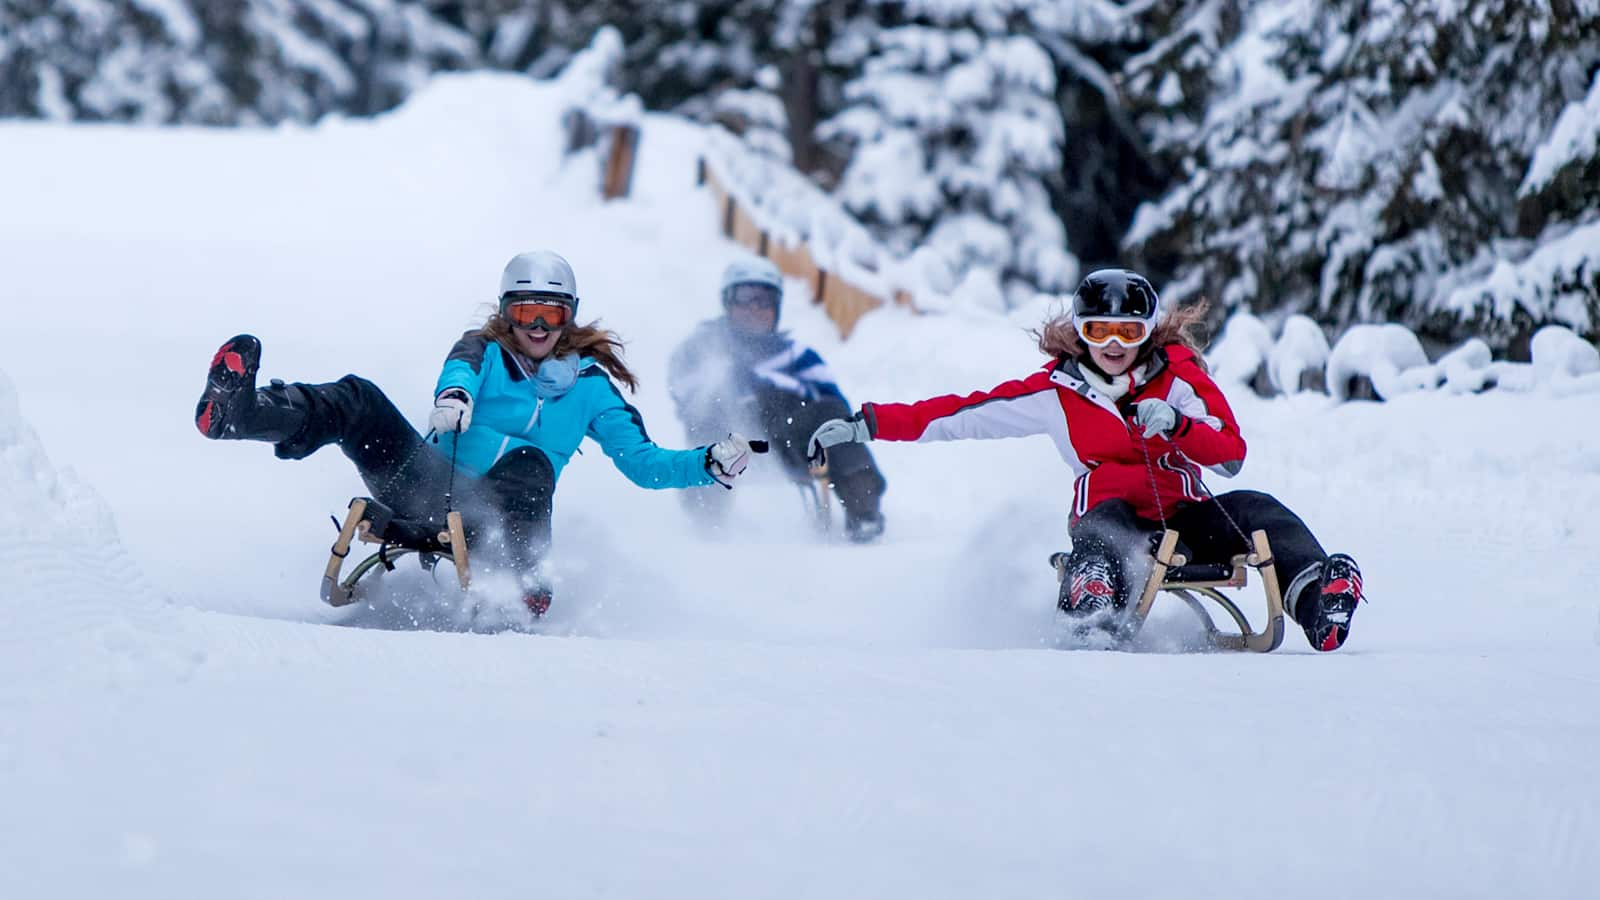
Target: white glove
(727, 459)
(834, 432)
(1156, 417)
(452, 411)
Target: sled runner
(1172, 573)
(372, 522)
(817, 496)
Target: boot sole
(233, 369)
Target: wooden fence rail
(843, 301)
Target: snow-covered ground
(764, 716)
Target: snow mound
(1301, 348)
(1467, 369)
(1563, 363)
(1389, 355)
(1241, 351)
(62, 566)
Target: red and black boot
(232, 409)
(537, 599)
(1091, 586)
(230, 394)
(1338, 594)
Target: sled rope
(450, 486)
(389, 482)
(1150, 470)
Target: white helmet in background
(753, 270)
(753, 280)
(539, 272)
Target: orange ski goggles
(1127, 332)
(539, 314)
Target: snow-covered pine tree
(1360, 160)
(955, 140)
(218, 61)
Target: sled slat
(333, 593)
(1158, 575)
(1271, 634)
(458, 547)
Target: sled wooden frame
(1167, 575)
(819, 498)
(357, 527)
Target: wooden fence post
(619, 163)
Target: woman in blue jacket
(513, 402)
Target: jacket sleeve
(463, 368)
(799, 370)
(619, 429)
(1207, 431)
(1013, 409)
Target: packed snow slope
(755, 714)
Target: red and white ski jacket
(1093, 429)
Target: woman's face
(536, 343)
(1112, 357)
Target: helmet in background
(754, 270)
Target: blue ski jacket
(508, 412)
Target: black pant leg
(397, 466)
(1211, 538)
(519, 493)
(1103, 539)
(790, 420)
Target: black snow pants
(506, 512)
(1112, 534)
(787, 420)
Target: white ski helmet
(539, 272)
(751, 270)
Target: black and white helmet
(1116, 294)
(538, 272)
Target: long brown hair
(1184, 325)
(604, 346)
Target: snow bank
(58, 541)
(1389, 355)
(68, 589)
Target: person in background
(738, 372)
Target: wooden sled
(1172, 573)
(373, 523)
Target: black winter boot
(232, 409)
(1092, 585)
(1326, 607)
(860, 494)
(230, 388)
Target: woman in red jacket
(1127, 400)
